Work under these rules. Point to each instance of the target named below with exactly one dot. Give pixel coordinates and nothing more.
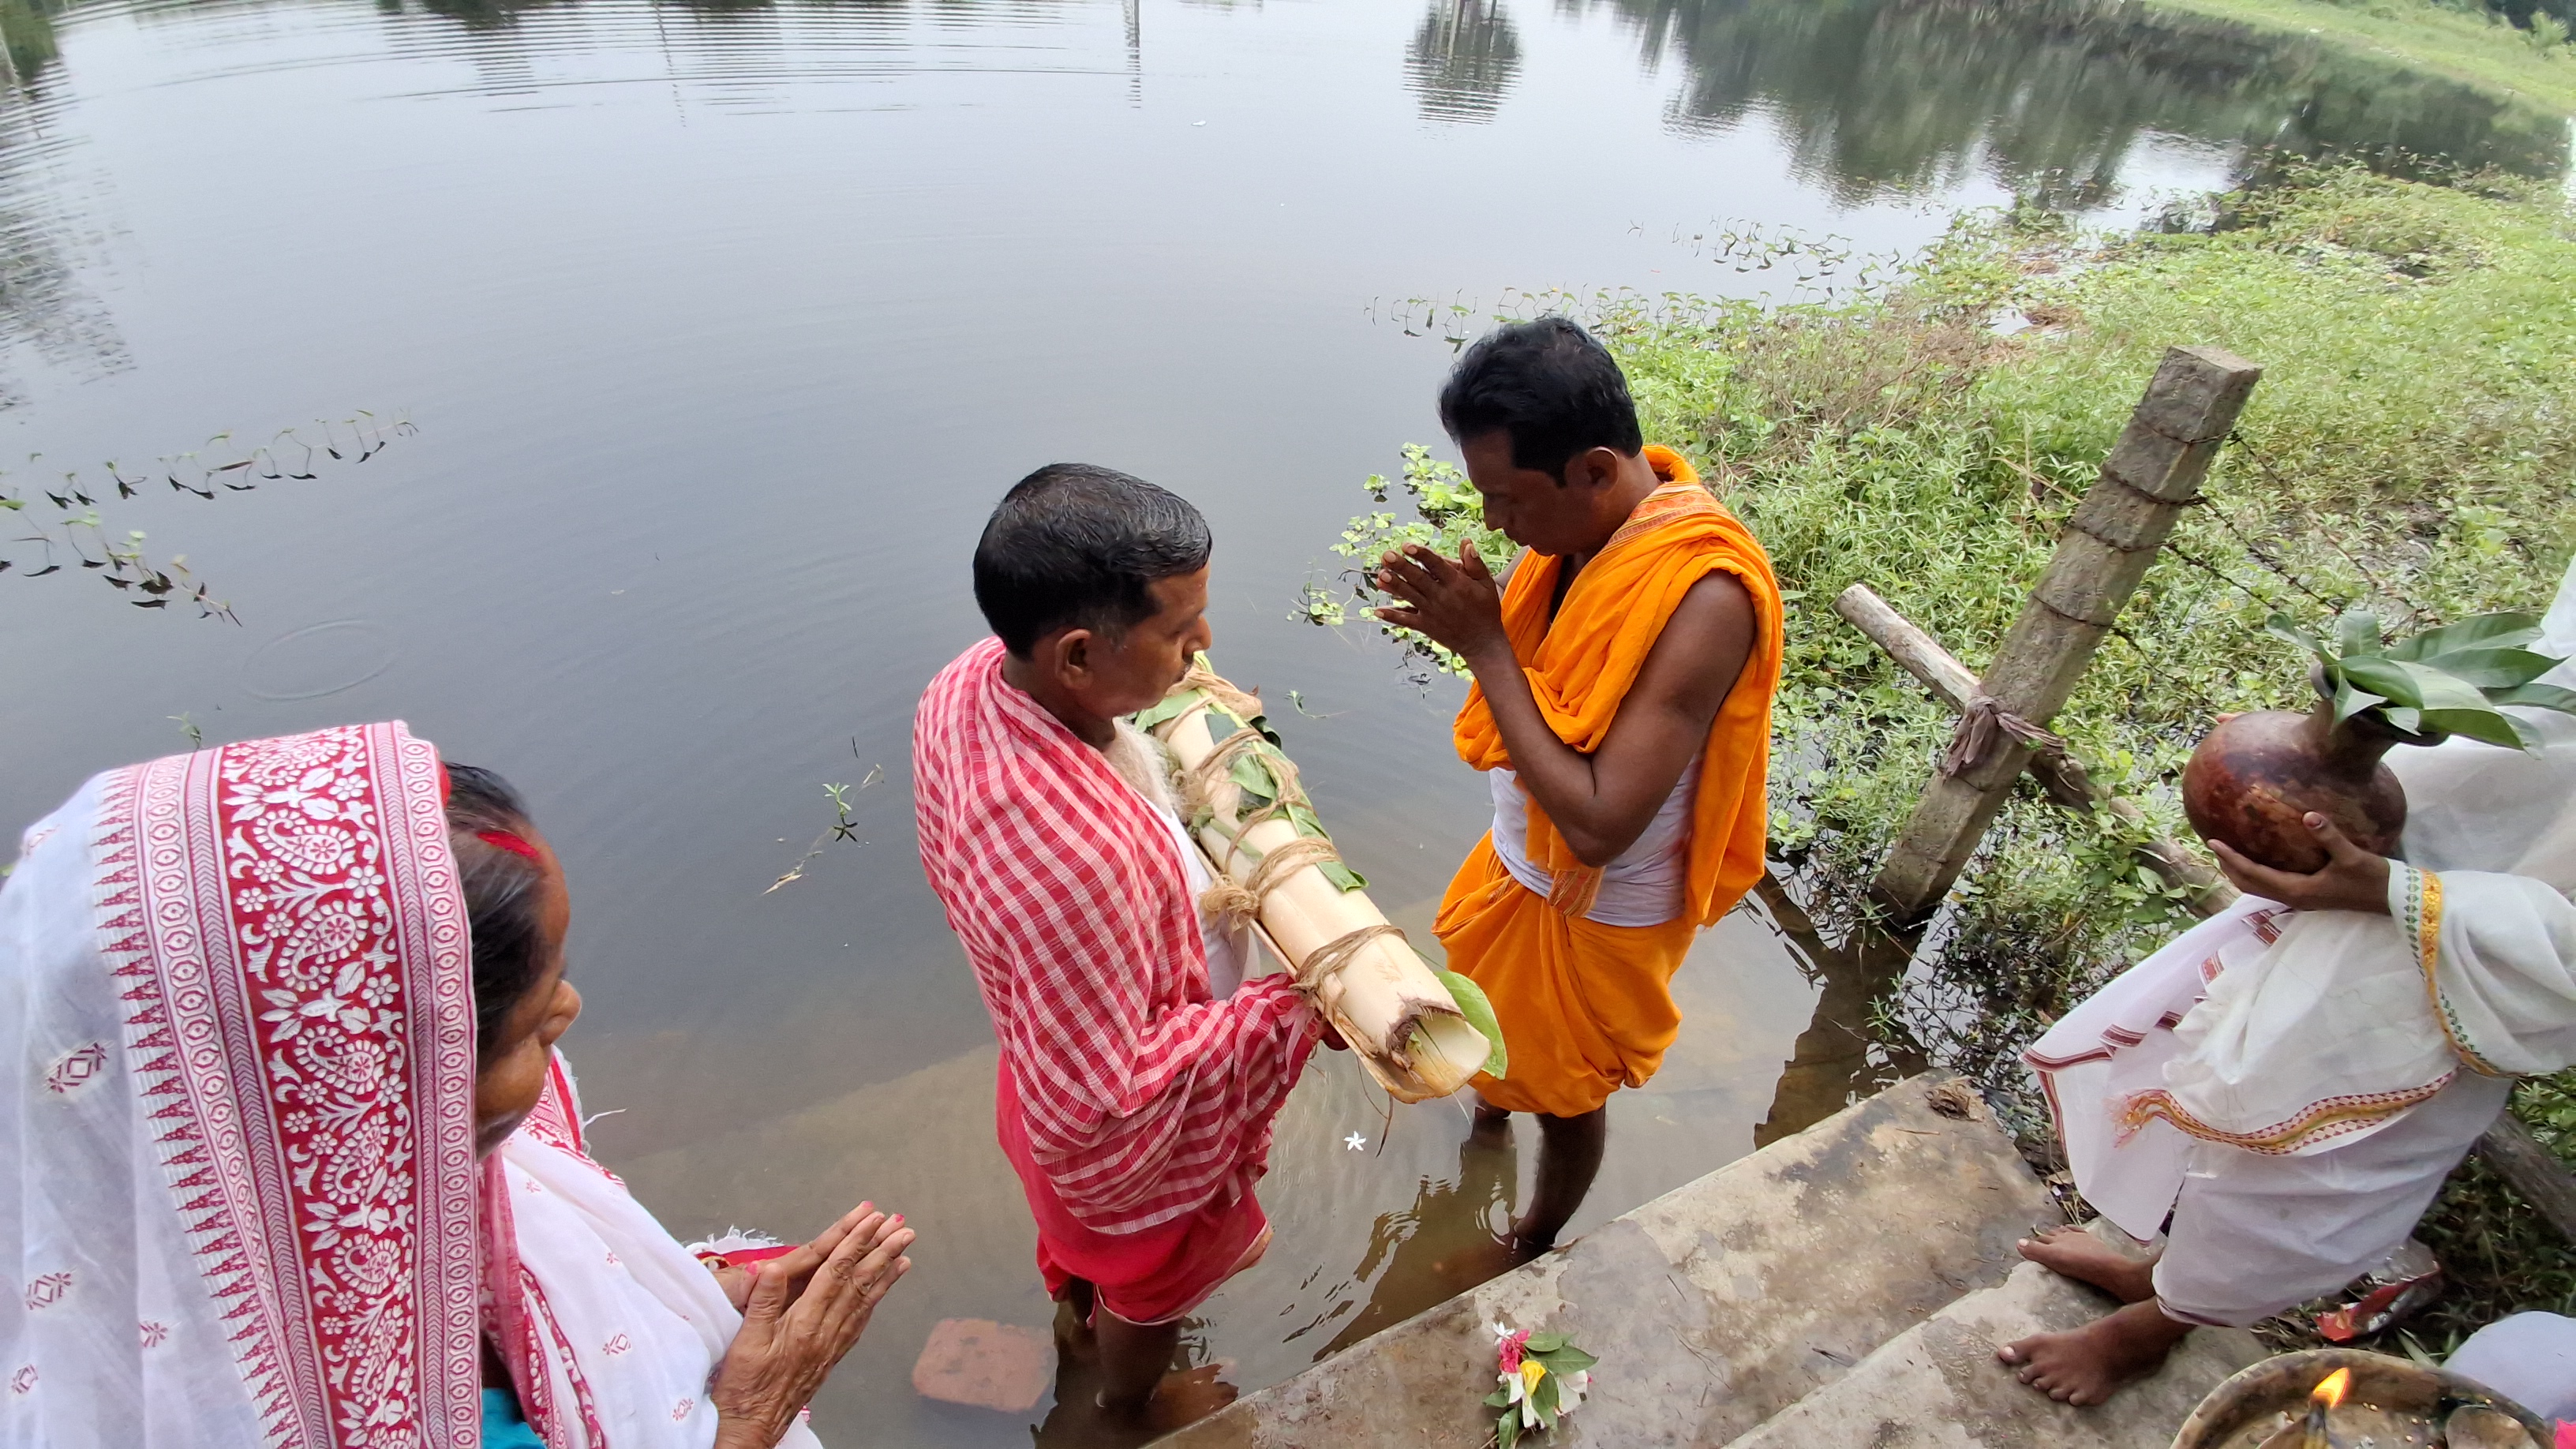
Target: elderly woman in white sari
(289, 1159)
(2293, 1079)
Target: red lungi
(1152, 1276)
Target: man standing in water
(1622, 715)
(1134, 1102)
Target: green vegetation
(2467, 42)
(2411, 451)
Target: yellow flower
(1531, 1372)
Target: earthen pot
(2255, 777)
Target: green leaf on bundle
(1171, 708)
(1344, 878)
(1479, 1011)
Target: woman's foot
(2077, 1254)
(2086, 1366)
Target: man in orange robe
(1622, 714)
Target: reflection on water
(2053, 95)
(1463, 60)
(1842, 1056)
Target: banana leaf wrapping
(1420, 1032)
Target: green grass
(2472, 46)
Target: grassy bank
(2411, 447)
(2465, 43)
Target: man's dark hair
(1076, 547)
(501, 897)
(1549, 385)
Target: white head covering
(239, 1201)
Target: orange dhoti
(1587, 1008)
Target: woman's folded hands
(803, 1312)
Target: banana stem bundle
(1420, 1032)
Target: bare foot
(1483, 1262)
(2085, 1258)
(2084, 1367)
(1184, 1398)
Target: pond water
(720, 327)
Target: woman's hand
(805, 1311)
(1455, 602)
(2353, 879)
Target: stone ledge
(1712, 1308)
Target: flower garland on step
(1544, 1378)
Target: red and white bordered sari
(239, 1202)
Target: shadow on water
(2053, 95)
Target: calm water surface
(723, 325)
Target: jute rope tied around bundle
(1336, 953)
(1234, 905)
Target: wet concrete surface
(1712, 1307)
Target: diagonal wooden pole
(2153, 472)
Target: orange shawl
(1580, 669)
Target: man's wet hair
(1073, 546)
(1547, 384)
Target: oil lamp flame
(2328, 1393)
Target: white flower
(1570, 1389)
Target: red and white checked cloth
(1144, 1099)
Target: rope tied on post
(1983, 725)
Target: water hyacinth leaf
(2538, 696)
(2492, 669)
(2483, 724)
(2507, 630)
(2357, 632)
(1479, 1011)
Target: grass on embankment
(2412, 446)
(2479, 49)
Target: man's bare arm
(1603, 801)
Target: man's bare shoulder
(1704, 645)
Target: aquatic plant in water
(75, 527)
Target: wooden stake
(2153, 472)
(2062, 776)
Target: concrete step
(1711, 1308)
(1938, 1385)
